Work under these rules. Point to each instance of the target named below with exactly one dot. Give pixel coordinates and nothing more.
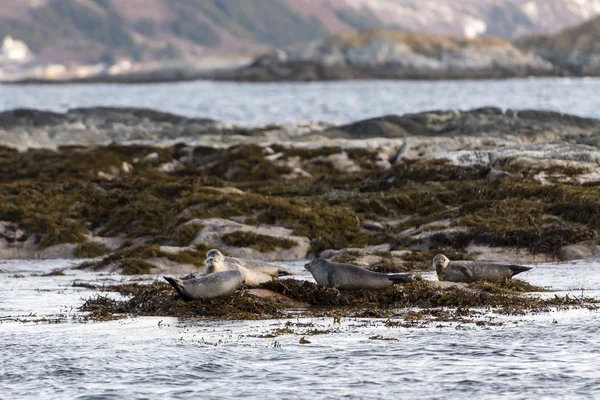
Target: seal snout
(441, 261)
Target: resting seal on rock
(210, 286)
(474, 271)
(255, 272)
(351, 277)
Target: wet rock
(163, 265)
(288, 301)
(340, 162)
(62, 251)
(447, 285)
(373, 225)
(495, 174)
(214, 229)
(579, 251)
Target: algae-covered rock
(255, 242)
(417, 185)
(291, 297)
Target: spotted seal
(209, 286)
(474, 271)
(351, 277)
(255, 272)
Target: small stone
(495, 174)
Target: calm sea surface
(252, 103)
(550, 355)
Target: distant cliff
(575, 50)
(398, 55)
(91, 31)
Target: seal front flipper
(399, 278)
(465, 270)
(331, 279)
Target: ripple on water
(544, 355)
(264, 103)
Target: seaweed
(262, 243)
(135, 266)
(59, 196)
(159, 299)
(90, 250)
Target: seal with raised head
(474, 271)
(210, 286)
(255, 272)
(351, 277)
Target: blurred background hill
(92, 31)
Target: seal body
(474, 271)
(255, 272)
(210, 286)
(351, 277)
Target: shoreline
(242, 77)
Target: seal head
(440, 262)
(215, 261)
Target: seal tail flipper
(517, 269)
(178, 286)
(399, 278)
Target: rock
(340, 162)
(61, 251)
(373, 225)
(226, 190)
(495, 174)
(266, 293)
(395, 55)
(505, 254)
(111, 243)
(165, 266)
(447, 285)
(126, 167)
(331, 253)
(171, 166)
(214, 229)
(579, 251)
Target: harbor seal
(210, 286)
(351, 277)
(255, 272)
(474, 271)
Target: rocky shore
(154, 191)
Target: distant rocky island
(151, 192)
(384, 54)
